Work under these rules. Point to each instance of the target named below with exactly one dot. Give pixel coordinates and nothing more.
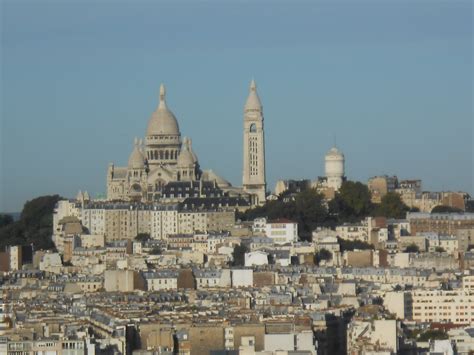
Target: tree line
(35, 225)
(309, 209)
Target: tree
(445, 209)
(321, 255)
(412, 248)
(310, 211)
(391, 206)
(349, 245)
(5, 219)
(142, 237)
(351, 202)
(307, 209)
(239, 255)
(35, 225)
(432, 334)
(155, 251)
(440, 250)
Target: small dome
(186, 157)
(162, 121)
(334, 153)
(253, 101)
(210, 175)
(137, 159)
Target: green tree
(412, 248)
(440, 250)
(432, 334)
(239, 255)
(321, 255)
(5, 219)
(35, 225)
(352, 202)
(142, 237)
(391, 206)
(445, 209)
(307, 209)
(310, 212)
(349, 245)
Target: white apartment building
(449, 244)
(65, 208)
(257, 257)
(15, 257)
(94, 220)
(468, 282)
(208, 278)
(353, 232)
(163, 222)
(282, 231)
(455, 306)
(242, 277)
(161, 280)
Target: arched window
(253, 127)
(161, 154)
(166, 155)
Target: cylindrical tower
(334, 168)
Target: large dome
(162, 121)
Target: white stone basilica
(165, 157)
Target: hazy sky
(392, 79)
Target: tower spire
(253, 85)
(253, 101)
(162, 97)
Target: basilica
(165, 158)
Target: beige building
(443, 306)
(15, 257)
(118, 221)
(379, 186)
(372, 337)
(441, 223)
(425, 201)
(123, 281)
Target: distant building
(165, 157)
(379, 186)
(282, 231)
(441, 223)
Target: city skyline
(89, 93)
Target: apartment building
(454, 306)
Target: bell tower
(253, 180)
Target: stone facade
(165, 156)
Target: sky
(391, 80)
